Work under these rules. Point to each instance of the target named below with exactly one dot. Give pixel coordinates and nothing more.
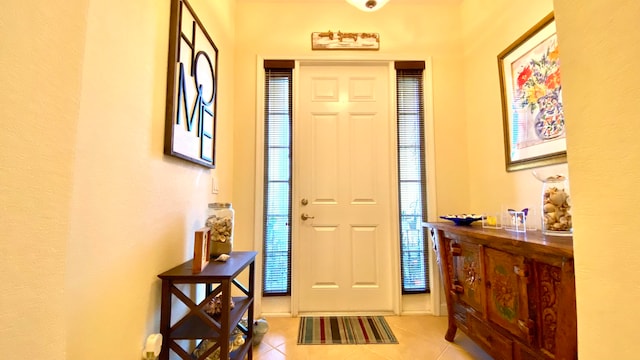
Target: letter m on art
(190, 114)
(197, 110)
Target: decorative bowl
(462, 219)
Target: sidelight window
(411, 176)
(277, 178)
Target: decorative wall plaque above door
(338, 40)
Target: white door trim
(434, 302)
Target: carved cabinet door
(467, 274)
(507, 302)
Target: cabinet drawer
(521, 352)
(496, 344)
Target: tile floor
(419, 338)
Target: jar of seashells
(556, 206)
(220, 221)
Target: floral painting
(533, 116)
(538, 92)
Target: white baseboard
(443, 309)
(274, 314)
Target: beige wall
(40, 70)
(598, 41)
(91, 209)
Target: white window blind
(411, 175)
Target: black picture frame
(192, 82)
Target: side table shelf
(196, 324)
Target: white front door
(347, 249)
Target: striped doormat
(333, 330)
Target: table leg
(165, 318)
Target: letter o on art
(204, 77)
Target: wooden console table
(512, 293)
(197, 324)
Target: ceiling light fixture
(368, 5)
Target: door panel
(323, 265)
(363, 175)
(467, 267)
(324, 156)
(364, 264)
(507, 292)
(343, 168)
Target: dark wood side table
(219, 278)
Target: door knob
(305, 216)
(304, 202)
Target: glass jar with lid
(556, 206)
(220, 221)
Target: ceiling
(450, 2)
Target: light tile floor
(419, 338)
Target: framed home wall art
(531, 92)
(190, 116)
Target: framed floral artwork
(531, 92)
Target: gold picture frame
(531, 95)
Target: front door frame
(433, 302)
